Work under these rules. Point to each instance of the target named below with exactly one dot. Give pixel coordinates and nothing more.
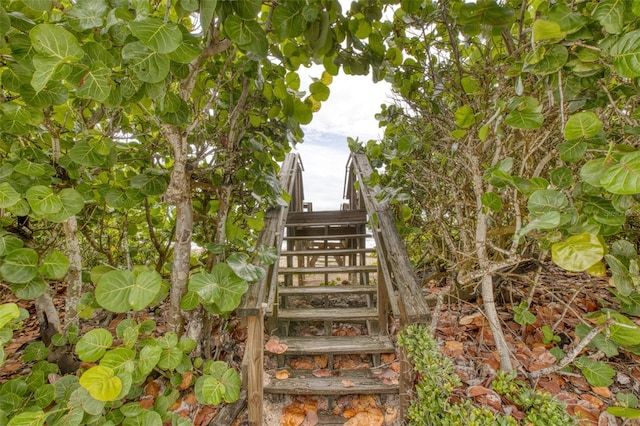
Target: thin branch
(573, 354)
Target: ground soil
(558, 299)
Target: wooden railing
(403, 292)
(397, 284)
(258, 301)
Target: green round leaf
(545, 200)
(93, 345)
(121, 291)
(626, 412)
(160, 36)
(101, 383)
(55, 265)
(222, 287)
(526, 120)
(35, 351)
(626, 55)
(54, 41)
(88, 14)
(582, 125)
(8, 195)
(28, 418)
(31, 290)
(492, 201)
(240, 264)
(562, 177)
(96, 82)
(9, 243)
(43, 396)
(20, 266)
(209, 390)
(8, 312)
(597, 373)
(464, 117)
(43, 201)
(28, 168)
(623, 177)
(119, 359)
(578, 252)
(592, 171)
(149, 357)
(146, 418)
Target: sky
(349, 111)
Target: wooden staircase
(328, 281)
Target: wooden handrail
(261, 295)
(392, 254)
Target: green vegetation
(436, 402)
(133, 131)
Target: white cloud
(349, 111)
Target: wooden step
(329, 314)
(326, 252)
(315, 345)
(305, 383)
(327, 269)
(326, 237)
(327, 218)
(326, 289)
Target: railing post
(254, 360)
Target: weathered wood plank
(326, 289)
(318, 234)
(325, 218)
(314, 345)
(253, 368)
(391, 250)
(328, 314)
(307, 384)
(326, 252)
(328, 269)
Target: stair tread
(313, 345)
(325, 252)
(306, 383)
(330, 314)
(326, 237)
(327, 289)
(327, 269)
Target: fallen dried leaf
(187, 380)
(371, 417)
(602, 391)
(302, 364)
(321, 361)
(453, 348)
(390, 415)
(274, 346)
(321, 373)
(348, 383)
(282, 374)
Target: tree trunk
(74, 275)
(179, 194)
(487, 279)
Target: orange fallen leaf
(387, 358)
(390, 415)
(302, 364)
(476, 319)
(453, 348)
(147, 402)
(152, 389)
(371, 417)
(348, 383)
(187, 379)
(274, 346)
(321, 373)
(321, 361)
(602, 391)
(282, 374)
(190, 398)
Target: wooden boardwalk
(330, 277)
